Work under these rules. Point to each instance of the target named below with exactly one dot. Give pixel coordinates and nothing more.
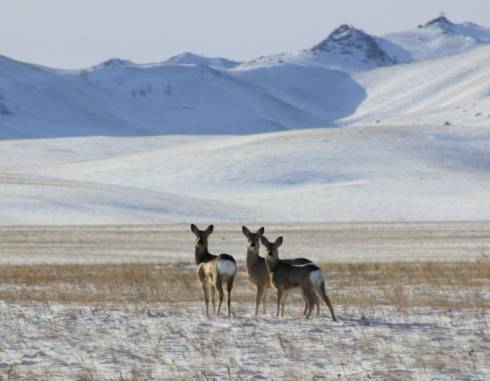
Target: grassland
(141, 317)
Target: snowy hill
(348, 78)
(120, 98)
(453, 89)
(195, 59)
(346, 48)
(341, 174)
(436, 38)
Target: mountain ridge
(330, 84)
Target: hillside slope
(120, 98)
(351, 174)
(453, 89)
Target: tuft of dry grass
(398, 284)
(288, 347)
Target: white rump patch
(226, 267)
(317, 277)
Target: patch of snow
(174, 341)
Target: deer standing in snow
(214, 271)
(258, 272)
(309, 278)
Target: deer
(309, 278)
(259, 274)
(213, 271)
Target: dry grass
(411, 284)
(401, 284)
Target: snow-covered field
(175, 342)
(423, 318)
(412, 301)
(345, 174)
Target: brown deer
(258, 272)
(213, 270)
(309, 278)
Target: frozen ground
(167, 341)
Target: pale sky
(81, 33)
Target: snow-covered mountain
(128, 99)
(436, 38)
(348, 78)
(353, 50)
(195, 59)
(346, 48)
(379, 168)
(350, 46)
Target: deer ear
(278, 242)
(264, 241)
(194, 229)
(245, 231)
(261, 231)
(209, 230)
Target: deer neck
(202, 254)
(252, 257)
(272, 263)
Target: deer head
(272, 250)
(253, 239)
(202, 236)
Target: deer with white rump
(309, 278)
(259, 274)
(214, 271)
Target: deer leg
(325, 298)
(317, 302)
(264, 301)
(309, 295)
(284, 299)
(219, 286)
(229, 287)
(279, 297)
(213, 298)
(206, 298)
(260, 295)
